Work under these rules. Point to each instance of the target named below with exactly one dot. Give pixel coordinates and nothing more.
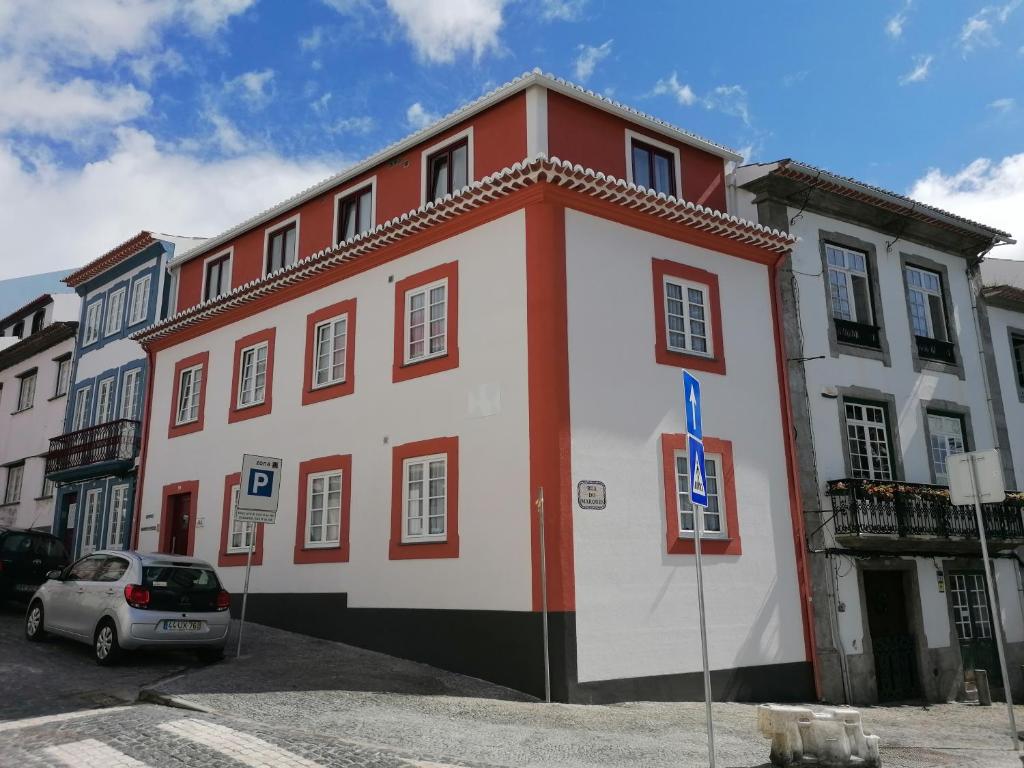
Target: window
(848, 284)
(105, 401)
(713, 523)
(448, 169)
(653, 167)
(91, 520)
(425, 499)
(281, 247)
(140, 300)
(970, 606)
(118, 517)
(946, 438)
(15, 474)
(354, 214)
(19, 329)
(115, 311)
(87, 568)
(92, 322)
(329, 354)
(686, 317)
(48, 488)
(113, 569)
(426, 327)
(867, 435)
(1017, 345)
(323, 509)
(426, 322)
(927, 310)
(38, 319)
(252, 386)
(63, 376)
(130, 394)
(189, 393)
(240, 535)
(218, 276)
(26, 391)
(688, 320)
(80, 420)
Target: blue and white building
(94, 462)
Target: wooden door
(894, 645)
(973, 618)
(178, 522)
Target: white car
(127, 600)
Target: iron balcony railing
(111, 441)
(916, 509)
(858, 334)
(934, 349)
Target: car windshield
(180, 579)
(14, 543)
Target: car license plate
(25, 587)
(177, 625)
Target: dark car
(25, 559)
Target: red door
(181, 508)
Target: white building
(37, 342)
(430, 339)
(888, 377)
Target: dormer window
(354, 213)
(653, 165)
(282, 245)
(448, 169)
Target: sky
(189, 116)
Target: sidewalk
(293, 682)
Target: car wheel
(210, 655)
(105, 645)
(34, 622)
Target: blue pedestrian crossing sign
(691, 401)
(698, 475)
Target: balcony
(916, 517)
(934, 349)
(858, 334)
(108, 447)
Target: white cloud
(417, 117)
(1003, 105)
(362, 124)
(979, 31)
(590, 56)
(148, 65)
(442, 29)
(894, 26)
(985, 191)
(920, 72)
(562, 10)
(682, 92)
(730, 99)
(256, 88)
(226, 135)
(138, 185)
(313, 40)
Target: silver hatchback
(127, 600)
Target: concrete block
(832, 737)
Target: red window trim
(662, 268)
(400, 550)
(337, 554)
(268, 335)
(676, 545)
(346, 387)
(227, 559)
(174, 429)
(404, 371)
(190, 487)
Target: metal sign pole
(544, 597)
(245, 590)
(698, 513)
(990, 584)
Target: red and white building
(498, 304)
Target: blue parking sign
(261, 483)
(698, 475)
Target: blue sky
(186, 116)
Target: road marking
(90, 753)
(31, 722)
(239, 746)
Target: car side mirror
(56, 575)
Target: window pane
(460, 169)
(663, 175)
(641, 167)
(938, 318)
(289, 246)
(365, 215)
(439, 177)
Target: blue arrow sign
(698, 475)
(691, 397)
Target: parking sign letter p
(259, 483)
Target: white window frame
(325, 476)
(296, 220)
(117, 517)
(115, 299)
(195, 393)
(15, 482)
(63, 376)
(244, 530)
(330, 323)
(705, 291)
(83, 406)
(49, 488)
(718, 462)
(941, 438)
(92, 512)
(253, 349)
(425, 462)
(926, 292)
(230, 253)
(110, 384)
(407, 325)
(426, 153)
(138, 310)
(870, 444)
(353, 189)
(93, 321)
(848, 273)
(27, 390)
(632, 136)
(130, 395)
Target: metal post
(997, 618)
(544, 597)
(698, 514)
(245, 590)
